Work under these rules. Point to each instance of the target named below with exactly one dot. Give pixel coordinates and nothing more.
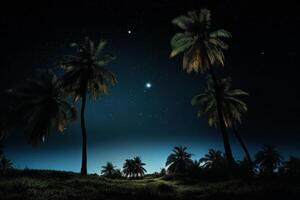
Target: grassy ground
(46, 185)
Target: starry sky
(149, 112)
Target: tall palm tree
(108, 169)
(232, 107)
(84, 73)
(268, 159)
(139, 169)
(213, 159)
(179, 161)
(40, 106)
(203, 49)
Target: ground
(55, 185)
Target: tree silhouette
(40, 106)
(128, 168)
(5, 164)
(179, 161)
(84, 73)
(232, 107)
(213, 159)
(268, 159)
(134, 167)
(108, 170)
(202, 49)
(139, 170)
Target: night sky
(137, 119)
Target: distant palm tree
(202, 48)
(108, 169)
(139, 170)
(213, 159)
(134, 167)
(268, 160)
(128, 168)
(41, 107)
(5, 164)
(232, 107)
(195, 169)
(84, 73)
(179, 161)
(117, 173)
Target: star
(148, 85)
(129, 32)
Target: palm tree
(84, 73)
(213, 159)
(202, 49)
(41, 107)
(128, 168)
(108, 169)
(117, 173)
(179, 161)
(232, 107)
(5, 164)
(139, 170)
(268, 159)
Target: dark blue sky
(135, 121)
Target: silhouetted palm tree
(195, 169)
(108, 169)
(5, 164)
(268, 160)
(213, 159)
(84, 73)
(134, 167)
(202, 49)
(117, 173)
(41, 107)
(128, 168)
(179, 161)
(139, 170)
(232, 107)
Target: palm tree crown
(201, 46)
(268, 159)
(108, 169)
(179, 161)
(213, 159)
(84, 71)
(134, 167)
(40, 104)
(231, 105)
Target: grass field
(54, 185)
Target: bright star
(129, 32)
(148, 85)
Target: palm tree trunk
(223, 129)
(242, 143)
(84, 136)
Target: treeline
(213, 166)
